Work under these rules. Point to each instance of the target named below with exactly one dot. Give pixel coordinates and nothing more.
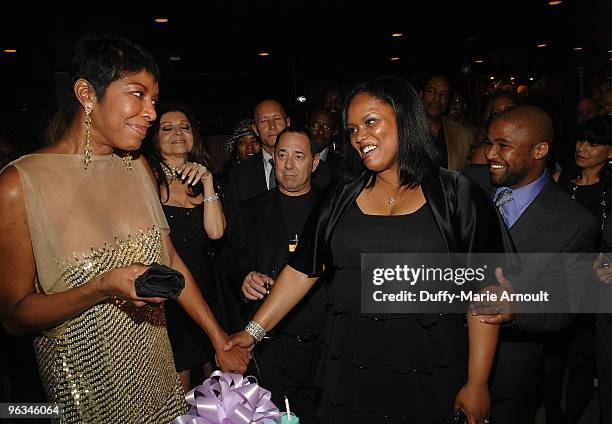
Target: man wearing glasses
(322, 126)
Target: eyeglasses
(316, 126)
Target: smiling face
(121, 119)
(175, 134)
(247, 145)
(373, 132)
(294, 163)
(514, 159)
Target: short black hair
(100, 59)
(296, 130)
(417, 155)
(597, 130)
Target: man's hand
(235, 360)
(603, 270)
(254, 285)
(498, 311)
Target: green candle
(292, 419)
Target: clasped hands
(496, 311)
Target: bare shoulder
(10, 187)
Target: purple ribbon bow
(228, 398)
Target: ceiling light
(479, 61)
(395, 58)
(301, 99)
(491, 78)
(161, 20)
(531, 78)
(10, 50)
(577, 49)
(555, 2)
(396, 34)
(263, 54)
(511, 78)
(541, 45)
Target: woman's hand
(192, 173)
(241, 339)
(119, 282)
(475, 402)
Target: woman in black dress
(390, 368)
(589, 183)
(195, 216)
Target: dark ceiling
(311, 44)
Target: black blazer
(245, 180)
(259, 242)
(327, 171)
(553, 222)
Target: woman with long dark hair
(394, 198)
(193, 210)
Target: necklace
(393, 198)
(602, 202)
(170, 171)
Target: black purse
(160, 281)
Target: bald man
(541, 219)
(256, 174)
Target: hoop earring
(127, 161)
(88, 149)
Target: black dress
(190, 344)
(386, 368)
(595, 197)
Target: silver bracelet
(209, 199)
(255, 330)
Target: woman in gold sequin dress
(81, 220)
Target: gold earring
(88, 149)
(127, 160)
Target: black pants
(287, 367)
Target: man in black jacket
(267, 228)
(542, 221)
(256, 174)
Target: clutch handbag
(160, 281)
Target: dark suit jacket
(245, 180)
(552, 223)
(328, 170)
(259, 243)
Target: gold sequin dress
(112, 363)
